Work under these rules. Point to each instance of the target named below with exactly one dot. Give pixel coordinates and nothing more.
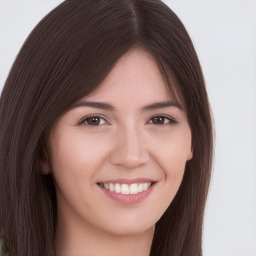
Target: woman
(106, 135)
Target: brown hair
(65, 57)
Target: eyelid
(83, 119)
(170, 118)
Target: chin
(131, 230)
(129, 227)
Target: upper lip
(128, 181)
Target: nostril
(129, 159)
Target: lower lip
(128, 199)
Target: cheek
(171, 151)
(76, 155)
(172, 148)
(76, 160)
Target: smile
(126, 189)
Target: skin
(123, 143)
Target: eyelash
(85, 119)
(170, 120)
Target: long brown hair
(65, 57)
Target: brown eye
(162, 120)
(158, 120)
(94, 121)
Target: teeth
(134, 189)
(117, 188)
(126, 189)
(111, 187)
(145, 186)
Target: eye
(162, 120)
(93, 121)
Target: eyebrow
(163, 104)
(94, 104)
(106, 106)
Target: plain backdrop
(224, 35)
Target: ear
(190, 154)
(44, 163)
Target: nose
(130, 149)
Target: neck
(74, 239)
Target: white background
(224, 34)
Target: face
(118, 155)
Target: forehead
(136, 77)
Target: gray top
(3, 251)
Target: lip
(131, 198)
(128, 181)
